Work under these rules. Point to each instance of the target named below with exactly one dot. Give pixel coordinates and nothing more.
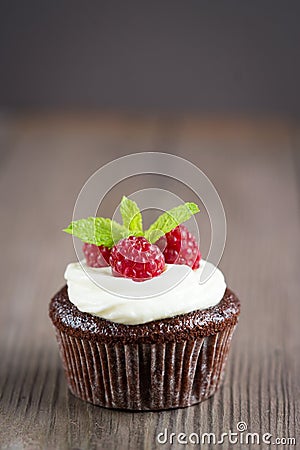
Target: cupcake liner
(144, 376)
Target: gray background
(174, 56)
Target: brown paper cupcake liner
(144, 376)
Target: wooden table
(254, 164)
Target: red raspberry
(96, 256)
(179, 246)
(134, 257)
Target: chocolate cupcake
(156, 344)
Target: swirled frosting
(177, 291)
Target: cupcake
(136, 329)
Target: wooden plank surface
(253, 165)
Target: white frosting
(122, 300)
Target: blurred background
(207, 57)
(83, 83)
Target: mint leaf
(98, 231)
(170, 220)
(131, 215)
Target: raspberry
(179, 246)
(96, 256)
(134, 257)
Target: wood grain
(252, 163)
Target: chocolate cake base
(168, 363)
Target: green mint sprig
(170, 220)
(97, 230)
(107, 232)
(131, 215)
